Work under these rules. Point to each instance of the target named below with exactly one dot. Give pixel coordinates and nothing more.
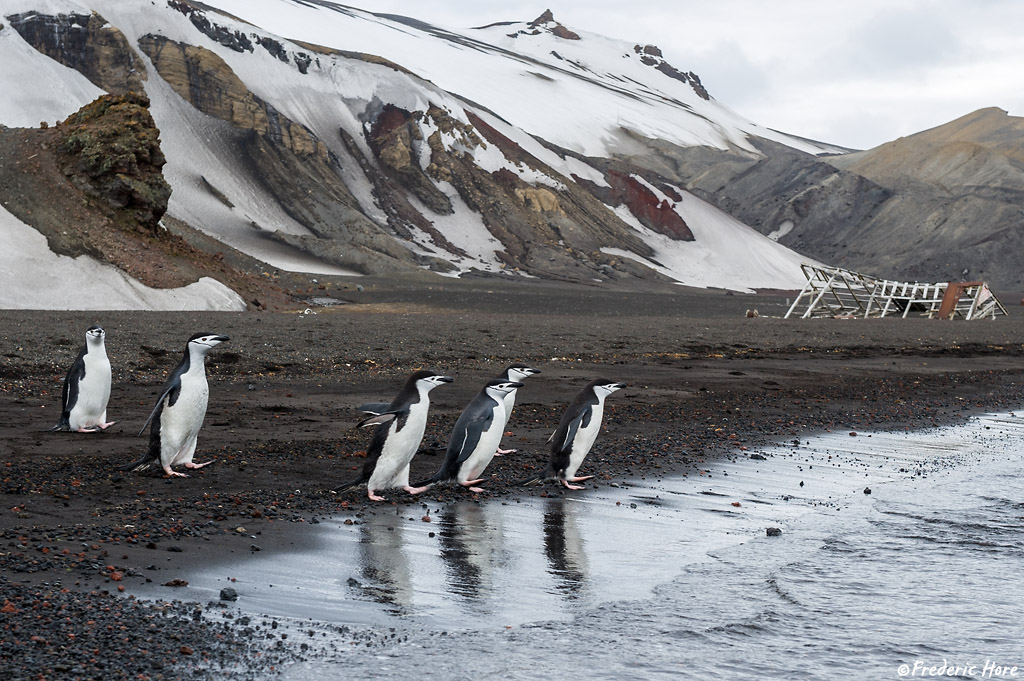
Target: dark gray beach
(708, 388)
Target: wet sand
(705, 382)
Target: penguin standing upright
(400, 428)
(475, 438)
(576, 433)
(180, 410)
(514, 372)
(87, 388)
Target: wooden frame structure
(835, 292)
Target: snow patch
(32, 277)
(725, 254)
(784, 228)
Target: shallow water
(669, 578)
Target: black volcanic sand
(704, 381)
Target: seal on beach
(400, 428)
(576, 433)
(475, 438)
(514, 372)
(180, 410)
(87, 388)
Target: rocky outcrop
(547, 20)
(112, 152)
(86, 43)
(650, 55)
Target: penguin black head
(518, 372)
(95, 334)
(502, 386)
(428, 379)
(205, 341)
(603, 386)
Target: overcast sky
(851, 72)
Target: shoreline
(704, 383)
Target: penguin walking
(475, 438)
(576, 433)
(400, 428)
(87, 388)
(180, 410)
(517, 373)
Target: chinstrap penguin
(400, 428)
(576, 433)
(475, 438)
(180, 410)
(87, 388)
(514, 372)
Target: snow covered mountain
(322, 138)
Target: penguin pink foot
(416, 490)
(104, 426)
(196, 466)
(505, 451)
(173, 474)
(373, 496)
(568, 485)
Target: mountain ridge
(545, 152)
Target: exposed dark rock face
(655, 214)
(233, 40)
(86, 43)
(651, 55)
(295, 167)
(392, 137)
(112, 152)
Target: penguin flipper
(374, 408)
(377, 419)
(170, 394)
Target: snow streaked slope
(579, 101)
(59, 282)
(594, 98)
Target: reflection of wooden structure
(835, 292)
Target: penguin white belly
(392, 469)
(510, 403)
(180, 423)
(93, 393)
(584, 440)
(474, 466)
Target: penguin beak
(515, 384)
(444, 379)
(220, 339)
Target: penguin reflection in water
(475, 438)
(87, 388)
(400, 428)
(576, 434)
(180, 410)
